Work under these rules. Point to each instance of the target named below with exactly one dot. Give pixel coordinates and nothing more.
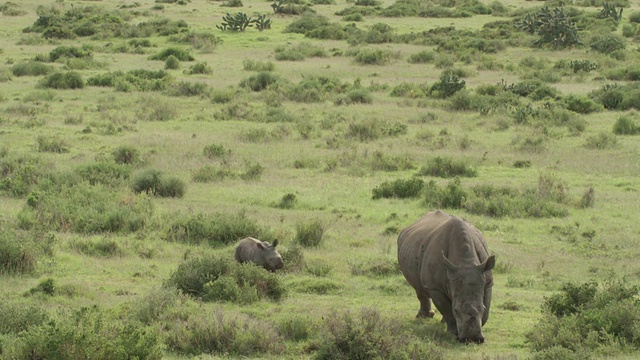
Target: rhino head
(270, 258)
(467, 290)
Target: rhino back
(421, 245)
(247, 250)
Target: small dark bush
(288, 201)
(447, 168)
(582, 104)
(63, 80)
(69, 52)
(260, 81)
(213, 151)
(626, 125)
(310, 233)
(147, 181)
(126, 154)
(373, 57)
(401, 188)
(178, 53)
(448, 85)
(102, 247)
(18, 316)
(171, 187)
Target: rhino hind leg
(425, 305)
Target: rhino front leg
(443, 304)
(425, 304)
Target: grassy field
(309, 148)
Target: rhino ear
(488, 264)
(448, 263)
(260, 245)
(275, 243)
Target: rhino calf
(446, 260)
(260, 253)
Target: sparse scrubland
(139, 141)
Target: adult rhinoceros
(445, 259)
(260, 253)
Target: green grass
(261, 138)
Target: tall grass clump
(256, 65)
(178, 53)
(310, 233)
(368, 335)
(66, 202)
(20, 253)
(222, 279)
(51, 143)
(446, 167)
(126, 154)
(31, 68)
(259, 81)
(589, 317)
(215, 229)
(20, 315)
(199, 68)
(105, 172)
(217, 331)
(401, 188)
(19, 173)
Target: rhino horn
(448, 263)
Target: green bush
(19, 173)
(171, 63)
(215, 229)
(288, 201)
(447, 168)
(105, 173)
(586, 317)
(126, 154)
(52, 144)
(401, 188)
(254, 65)
(171, 187)
(375, 267)
(422, 57)
(178, 53)
(17, 316)
(67, 202)
(153, 182)
(88, 332)
(554, 26)
(199, 68)
(31, 68)
(21, 253)
(61, 52)
(186, 88)
(370, 336)
(213, 151)
(220, 332)
(448, 84)
(63, 80)
(634, 17)
(260, 81)
(293, 258)
(213, 278)
(373, 57)
(607, 44)
(102, 247)
(310, 233)
(601, 140)
(626, 125)
(582, 104)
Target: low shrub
(102, 247)
(17, 316)
(215, 229)
(447, 168)
(607, 44)
(254, 65)
(19, 173)
(581, 104)
(52, 144)
(448, 84)
(199, 68)
(293, 258)
(126, 154)
(220, 332)
(187, 88)
(20, 253)
(422, 57)
(601, 141)
(105, 173)
(310, 233)
(587, 317)
(626, 125)
(31, 68)
(63, 80)
(288, 201)
(223, 279)
(369, 336)
(260, 81)
(374, 267)
(401, 188)
(87, 333)
(373, 57)
(178, 53)
(172, 63)
(213, 151)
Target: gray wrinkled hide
(260, 253)
(446, 260)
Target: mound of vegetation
(223, 279)
(586, 318)
(138, 80)
(215, 229)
